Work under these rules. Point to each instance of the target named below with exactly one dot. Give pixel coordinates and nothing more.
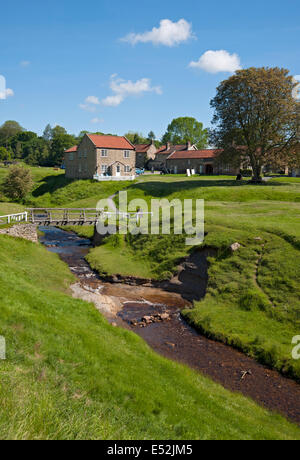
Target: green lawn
(253, 299)
(255, 307)
(70, 375)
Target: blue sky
(56, 54)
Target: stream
(154, 314)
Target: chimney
(168, 146)
(188, 145)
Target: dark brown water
(168, 334)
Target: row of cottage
(116, 158)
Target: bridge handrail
(13, 217)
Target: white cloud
(97, 120)
(122, 89)
(218, 61)
(4, 94)
(92, 100)
(25, 63)
(89, 104)
(168, 33)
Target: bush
(17, 183)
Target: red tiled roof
(142, 148)
(190, 154)
(72, 149)
(161, 149)
(110, 142)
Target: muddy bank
(175, 339)
(190, 281)
(154, 314)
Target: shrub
(17, 183)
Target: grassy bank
(253, 298)
(70, 375)
(52, 189)
(253, 295)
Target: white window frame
(127, 168)
(104, 153)
(126, 154)
(104, 169)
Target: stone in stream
(148, 319)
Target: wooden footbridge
(62, 217)
(72, 216)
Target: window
(126, 154)
(71, 156)
(104, 168)
(104, 153)
(79, 154)
(127, 168)
(85, 154)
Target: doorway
(209, 170)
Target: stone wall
(201, 166)
(116, 158)
(26, 231)
(81, 164)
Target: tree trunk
(257, 176)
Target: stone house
(144, 153)
(101, 158)
(160, 160)
(201, 161)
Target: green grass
(253, 299)
(70, 375)
(256, 309)
(52, 189)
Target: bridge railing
(64, 215)
(14, 218)
(79, 216)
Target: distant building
(295, 172)
(201, 161)
(144, 153)
(101, 158)
(165, 151)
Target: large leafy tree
(256, 118)
(60, 141)
(185, 129)
(9, 129)
(136, 138)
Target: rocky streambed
(153, 311)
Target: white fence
(113, 178)
(13, 218)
